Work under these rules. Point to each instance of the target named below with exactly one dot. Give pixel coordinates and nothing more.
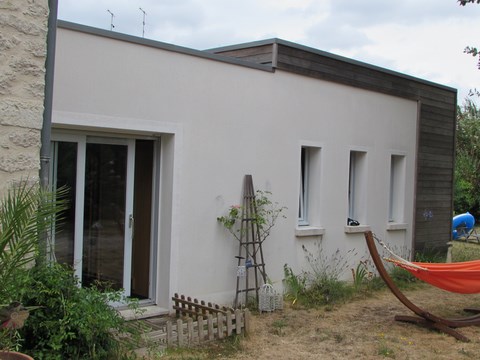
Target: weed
(361, 275)
(294, 284)
(323, 266)
(402, 278)
(430, 255)
(323, 282)
(465, 251)
(214, 350)
(278, 326)
(375, 284)
(383, 349)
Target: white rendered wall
(227, 121)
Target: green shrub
(73, 322)
(364, 280)
(376, 283)
(402, 278)
(328, 291)
(322, 285)
(27, 213)
(430, 255)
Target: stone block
(25, 138)
(22, 113)
(12, 163)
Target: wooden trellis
(251, 264)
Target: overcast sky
(422, 38)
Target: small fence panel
(197, 322)
(189, 332)
(186, 306)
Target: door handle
(131, 221)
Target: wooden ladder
(250, 253)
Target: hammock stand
(423, 318)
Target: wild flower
(324, 266)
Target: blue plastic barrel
(462, 224)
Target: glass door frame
(81, 140)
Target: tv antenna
(143, 23)
(111, 20)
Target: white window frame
(304, 187)
(396, 207)
(357, 186)
(309, 207)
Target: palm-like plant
(27, 217)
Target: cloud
(404, 12)
(431, 51)
(329, 34)
(128, 17)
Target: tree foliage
(465, 2)
(467, 166)
(471, 49)
(26, 214)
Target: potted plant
(13, 355)
(12, 318)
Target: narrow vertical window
(351, 186)
(357, 185)
(397, 189)
(309, 192)
(303, 194)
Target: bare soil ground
(363, 329)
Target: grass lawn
(465, 251)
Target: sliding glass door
(97, 236)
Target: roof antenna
(111, 20)
(144, 15)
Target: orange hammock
(461, 277)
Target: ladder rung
(245, 290)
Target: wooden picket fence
(186, 306)
(189, 332)
(197, 322)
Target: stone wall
(23, 33)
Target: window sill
(356, 229)
(396, 226)
(302, 231)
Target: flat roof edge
(245, 45)
(330, 56)
(159, 45)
